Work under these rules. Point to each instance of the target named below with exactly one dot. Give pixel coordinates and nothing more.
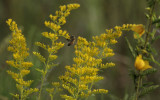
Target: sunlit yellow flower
(139, 29)
(141, 64)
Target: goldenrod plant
(20, 52)
(80, 78)
(55, 24)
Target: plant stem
(43, 79)
(138, 85)
(76, 95)
(21, 89)
(44, 76)
(21, 77)
(39, 97)
(51, 97)
(149, 25)
(90, 89)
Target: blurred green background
(92, 18)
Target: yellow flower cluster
(20, 53)
(60, 19)
(55, 25)
(53, 91)
(139, 29)
(141, 64)
(99, 91)
(79, 79)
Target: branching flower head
(55, 24)
(81, 76)
(20, 53)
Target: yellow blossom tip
(139, 30)
(141, 64)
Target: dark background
(92, 18)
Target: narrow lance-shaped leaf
(130, 47)
(156, 21)
(147, 90)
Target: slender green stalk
(51, 97)
(149, 25)
(89, 90)
(44, 76)
(138, 86)
(76, 96)
(21, 90)
(39, 97)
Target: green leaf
(147, 90)
(147, 84)
(156, 21)
(150, 2)
(154, 51)
(158, 25)
(148, 71)
(156, 62)
(15, 95)
(40, 70)
(153, 33)
(156, 38)
(131, 48)
(147, 16)
(151, 59)
(133, 75)
(133, 97)
(113, 97)
(126, 96)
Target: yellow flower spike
(118, 28)
(55, 24)
(50, 90)
(27, 64)
(63, 8)
(14, 75)
(46, 23)
(95, 91)
(24, 72)
(66, 97)
(83, 87)
(41, 45)
(113, 41)
(139, 29)
(41, 58)
(52, 57)
(56, 84)
(9, 22)
(141, 64)
(20, 53)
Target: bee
(71, 40)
